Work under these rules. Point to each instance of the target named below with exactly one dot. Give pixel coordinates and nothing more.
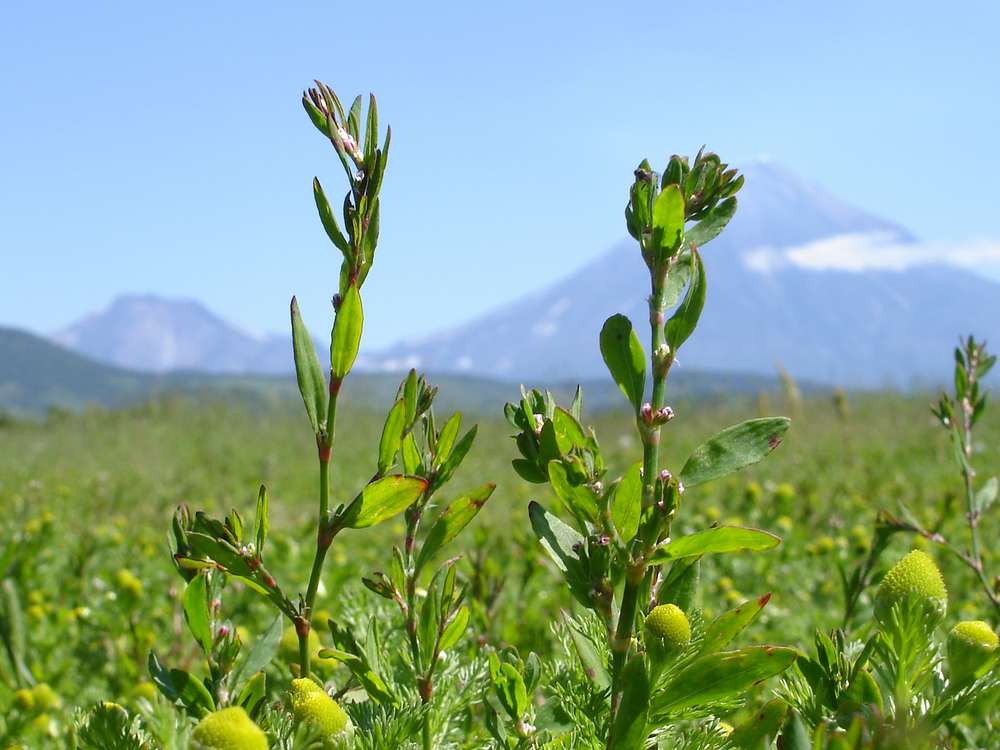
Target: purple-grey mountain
(867, 328)
(854, 328)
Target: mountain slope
(154, 334)
(858, 329)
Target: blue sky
(162, 147)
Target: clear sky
(161, 147)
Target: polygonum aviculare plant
(413, 460)
(612, 539)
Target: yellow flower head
(668, 625)
(311, 705)
(917, 576)
(972, 646)
(229, 729)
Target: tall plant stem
(968, 475)
(324, 532)
(660, 360)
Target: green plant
(615, 547)
(415, 459)
(895, 688)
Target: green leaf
(455, 457)
(712, 225)
(717, 540)
(762, 726)
(668, 221)
(685, 318)
(580, 499)
(192, 692)
(392, 435)
(346, 333)
(329, 220)
(446, 438)
(253, 693)
(729, 624)
(732, 449)
(680, 585)
(455, 629)
(196, 611)
(560, 542)
(261, 524)
(382, 499)
(626, 505)
(624, 357)
(312, 383)
(374, 685)
(261, 653)
(590, 656)
(630, 722)
(722, 676)
(451, 521)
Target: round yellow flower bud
(311, 705)
(127, 582)
(972, 646)
(668, 626)
(45, 697)
(24, 699)
(229, 729)
(917, 576)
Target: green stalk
(970, 496)
(650, 468)
(324, 534)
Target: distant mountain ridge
(37, 374)
(774, 298)
(149, 333)
(864, 329)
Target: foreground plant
(612, 540)
(414, 460)
(906, 684)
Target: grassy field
(86, 502)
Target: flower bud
(229, 729)
(24, 699)
(667, 630)
(916, 576)
(45, 697)
(972, 646)
(311, 705)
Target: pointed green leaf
(312, 383)
(196, 611)
(685, 318)
(392, 435)
(626, 505)
(260, 654)
(668, 221)
(712, 225)
(374, 685)
(382, 499)
(446, 439)
(329, 220)
(724, 675)
(580, 499)
(732, 449)
(717, 540)
(764, 725)
(452, 520)
(624, 357)
(261, 524)
(590, 656)
(455, 629)
(729, 624)
(346, 333)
